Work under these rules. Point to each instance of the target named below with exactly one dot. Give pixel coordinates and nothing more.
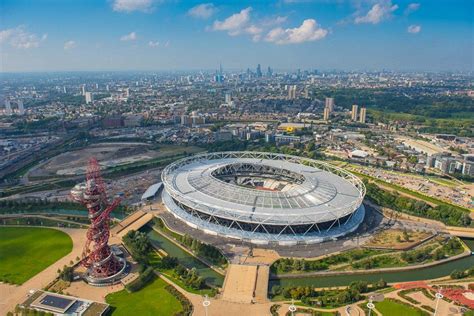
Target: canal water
(117, 215)
(399, 276)
(210, 276)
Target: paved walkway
(10, 296)
(239, 284)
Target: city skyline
(128, 35)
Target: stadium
(264, 198)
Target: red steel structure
(97, 256)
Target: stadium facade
(264, 198)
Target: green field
(26, 251)
(153, 299)
(393, 308)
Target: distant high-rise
(83, 89)
(97, 86)
(329, 103)
(269, 72)
(363, 113)
(259, 71)
(88, 96)
(8, 107)
(127, 92)
(228, 98)
(292, 92)
(21, 108)
(107, 88)
(65, 89)
(355, 108)
(326, 113)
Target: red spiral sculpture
(97, 256)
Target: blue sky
(56, 35)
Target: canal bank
(210, 276)
(427, 273)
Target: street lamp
(206, 303)
(370, 306)
(292, 308)
(438, 297)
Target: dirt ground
(388, 239)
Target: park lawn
(393, 308)
(153, 299)
(26, 251)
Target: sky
(154, 35)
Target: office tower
(329, 103)
(8, 107)
(292, 92)
(269, 72)
(259, 71)
(65, 89)
(327, 112)
(97, 86)
(355, 108)
(228, 98)
(362, 115)
(127, 92)
(21, 109)
(88, 96)
(107, 88)
(83, 89)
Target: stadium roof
(321, 196)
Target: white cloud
(379, 12)
(234, 24)
(412, 7)
(129, 37)
(69, 45)
(414, 29)
(202, 11)
(153, 44)
(308, 31)
(20, 38)
(132, 5)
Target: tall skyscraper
(21, 108)
(355, 109)
(363, 113)
(329, 103)
(88, 96)
(83, 89)
(269, 72)
(107, 88)
(259, 71)
(65, 89)
(127, 92)
(326, 113)
(8, 107)
(292, 92)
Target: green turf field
(393, 308)
(26, 251)
(153, 299)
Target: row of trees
(139, 245)
(448, 215)
(289, 264)
(204, 250)
(330, 298)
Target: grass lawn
(153, 299)
(390, 307)
(26, 251)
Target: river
(398, 276)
